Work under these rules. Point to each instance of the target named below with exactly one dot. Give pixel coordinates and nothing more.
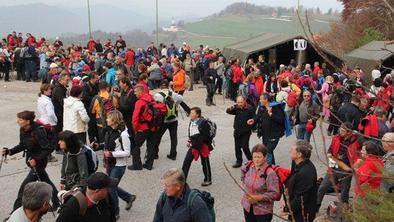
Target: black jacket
(350, 113)
(270, 127)
(127, 102)
(35, 143)
(242, 115)
(198, 140)
(89, 92)
(302, 187)
(103, 211)
(210, 73)
(58, 96)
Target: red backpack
(292, 99)
(154, 114)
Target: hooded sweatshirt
(75, 117)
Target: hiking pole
(3, 158)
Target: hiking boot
(132, 167)
(146, 166)
(237, 165)
(207, 102)
(171, 157)
(156, 157)
(117, 216)
(129, 204)
(206, 183)
(52, 158)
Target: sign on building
(300, 44)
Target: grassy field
(221, 31)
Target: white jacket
(75, 117)
(282, 95)
(46, 111)
(122, 155)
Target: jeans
(30, 68)
(39, 174)
(302, 134)
(117, 172)
(206, 166)
(242, 143)
(345, 180)
(271, 145)
(173, 130)
(250, 217)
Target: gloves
(5, 151)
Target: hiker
(59, 93)
(242, 129)
(387, 185)
(91, 203)
(262, 183)
(127, 102)
(140, 124)
(74, 169)
(301, 185)
(35, 144)
(90, 90)
(101, 105)
(35, 203)
(173, 203)
(172, 101)
(220, 70)
(178, 79)
(344, 148)
(210, 79)
(270, 125)
(75, 117)
(199, 145)
(307, 113)
(116, 148)
(271, 86)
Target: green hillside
(221, 31)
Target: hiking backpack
(172, 108)
(208, 199)
(153, 114)
(106, 106)
(212, 129)
(292, 99)
(91, 159)
(76, 192)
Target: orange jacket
(259, 83)
(178, 81)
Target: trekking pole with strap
(3, 158)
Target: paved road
(17, 96)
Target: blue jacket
(170, 209)
(110, 76)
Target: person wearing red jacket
(129, 60)
(30, 39)
(369, 175)
(383, 98)
(342, 154)
(91, 44)
(236, 78)
(142, 130)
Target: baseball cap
(101, 180)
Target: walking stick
(3, 158)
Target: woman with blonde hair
(116, 148)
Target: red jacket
(129, 58)
(237, 74)
(138, 122)
(385, 94)
(369, 126)
(369, 174)
(30, 40)
(91, 45)
(352, 149)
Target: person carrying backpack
(200, 144)
(116, 148)
(74, 169)
(145, 123)
(35, 144)
(262, 184)
(172, 101)
(101, 105)
(180, 203)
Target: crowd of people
(100, 97)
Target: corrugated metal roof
(375, 50)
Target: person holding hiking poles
(35, 144)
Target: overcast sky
(181, 8)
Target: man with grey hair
(35, 203)
(173, 204)
(387, 185)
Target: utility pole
(157, 23)
(90, 25)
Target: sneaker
(132, 167)
(129, 204)
(237, 165)
(206, 183)
(171, 157)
